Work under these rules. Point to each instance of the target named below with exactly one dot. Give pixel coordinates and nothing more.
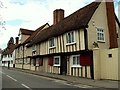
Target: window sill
(52, 47)
(33, 50)
(56, 65)
(76, 66)
(100, 41)
(71, 43)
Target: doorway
(63, 66)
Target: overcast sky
(31, 14)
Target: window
(17, 50)
(100, 35)
(52, 42)
(11, 55)
(37, 61)
(70, 37)
(34, 48)
(76, 60)
(57, 61)
(110, 55)
(21, 48)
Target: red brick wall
(111, 25)
(58, 15)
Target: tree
(2, 22)
(11, 41)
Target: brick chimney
(111, 24)
(58, 15)
(16, 40)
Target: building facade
(8, 54)
(73, 44)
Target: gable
(36, 32)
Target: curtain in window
(50, 61)
(85, 60)
(40, 61)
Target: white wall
(106, 67)
(11, 59)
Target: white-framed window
(70, 37)
(76, 61)
(27, 61)
(100, 35)
(21, 48)
(11, 55)
(34, 48)
(56, 60)
(25, 48)
(52, 42)
(18, 50)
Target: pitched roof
(77, 20)
(26, 31)
(35, 33)
(9, 50)
(0, 50)
(117, 20)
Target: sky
(31, 14)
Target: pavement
(107, 84)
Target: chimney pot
(58, 15)
(17, 40)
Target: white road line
(26, 86)
(11, 78)
(83, 86)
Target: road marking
(83, 86)
(11, 78)
(26, 86)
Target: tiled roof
(26, 31)
(9, 50)
(35, 33)
(77, 20)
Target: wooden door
(63, 67)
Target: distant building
(8, 54)
(0, 57)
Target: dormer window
(100, 35)
(21, 48)
(34, 48)
(52, 42)
(70, 37)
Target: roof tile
(77, 20)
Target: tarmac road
(16, 79)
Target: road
(13, 79)
(16, 79)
